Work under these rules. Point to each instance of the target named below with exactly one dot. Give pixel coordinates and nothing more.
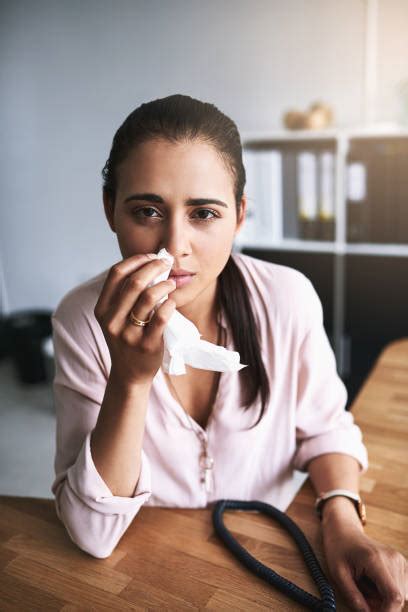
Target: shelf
(283, 178)
(291, 245)
(396, 250)
(389, 129)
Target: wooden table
(171, 558)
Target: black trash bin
(5, 340)
(27, 330)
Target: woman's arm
(116, 441)
(94, 517)
(336, 471)
(370, 575)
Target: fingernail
(151, 255)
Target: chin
(180, 296)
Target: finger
(142, 305)
(406, 580)
(154, 330)
(369, 590)
(403, 579)
(349, 590)
(130, 290)
(147, 276)
(139, 279)
(391, 592)
(116, 276)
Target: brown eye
(207, 210)
(138, 212)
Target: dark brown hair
(180, 118)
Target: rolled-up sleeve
(322, 423)
(94, 518)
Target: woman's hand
(136, 352)
(369, 575)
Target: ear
(242, 214)
(109, 209)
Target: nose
(176, 238)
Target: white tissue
(182, 343)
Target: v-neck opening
(179, 410)
(182, 414)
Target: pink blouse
(305, 416)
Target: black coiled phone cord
(327, 601)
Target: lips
(182, 277)
(180, 272)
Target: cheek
(218, 235)
(132, 240)
(216, 240)
(214, 255)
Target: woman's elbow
(94, 533)
(95, 550)
(90, 539)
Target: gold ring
(137, 321)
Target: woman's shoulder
(80, 301)
(267, 276)
(280, 291)
(81, 354)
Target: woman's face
(181, 197)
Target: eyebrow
(152, 197)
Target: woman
(129, 434)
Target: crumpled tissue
(183, 345)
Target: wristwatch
(356, 499)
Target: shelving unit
(339, 142)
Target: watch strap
(354, 497)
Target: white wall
(72, 71)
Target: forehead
(160, 163)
